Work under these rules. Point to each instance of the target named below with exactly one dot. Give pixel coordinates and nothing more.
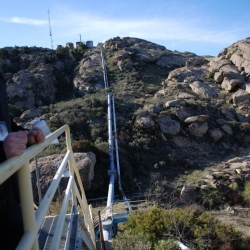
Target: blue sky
(201, 27)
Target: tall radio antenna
(50, 32)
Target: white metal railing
(33, 220)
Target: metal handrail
(32, 221)
(104, 215)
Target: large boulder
(90, 61)
(231, 80)
(216, 134)
(48, 167)
(29, 89)
(31, 114)
(121, 55)
(241, 58)
(172, 61)
(184, 95)
(188, 195)
(183, 114)
(145, 56)
(181, 74)
(229, 68)
(168, 126)
(154, 108)
(176, 103)
(227, 128)
(196, 118)
(229, 113)
(239, 54)
(240, 96)
(125, 65)
(216, 64)
(197, 129)
(145, 121)
(90, 76)
(203, 89)
(196, 62)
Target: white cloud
(181, 27)
(28, 21)
(22, 20)
(153, 29)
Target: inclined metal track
(47, 231)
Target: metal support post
(101, 231)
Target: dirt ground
(241, 221)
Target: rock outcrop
(48, 167)
(192, 110)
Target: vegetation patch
(195, 228)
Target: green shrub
(53, 149)
(25, 49)
(212, 198)
(83, 146)
(167, 244)
(4, 53)
(55, 123)
(152, 222)
(14, 111)
(16, 98)
(10, 68)
(246, 193)
(76, 54)
(199, 230)
(210, 75)
(140, 112)
(49, 58)
(129, 241)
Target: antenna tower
(50, 32)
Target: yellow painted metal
(59, 226)
(71, 166)
(91, 244)
(27, 241)
(26, 196)
(10, 166)
(87, 217)
(32, 221)
(82, 200)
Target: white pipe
(104, 69)
(117, 158)
(111, 154)
(107, 229)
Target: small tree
(195, 228)
(150, 222)
(129, 241)
(246, 193)
(167, 244)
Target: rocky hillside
(178, 114)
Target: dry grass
(121, 207)
(240, 222)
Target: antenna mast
(50, 32)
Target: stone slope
(175, 111)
